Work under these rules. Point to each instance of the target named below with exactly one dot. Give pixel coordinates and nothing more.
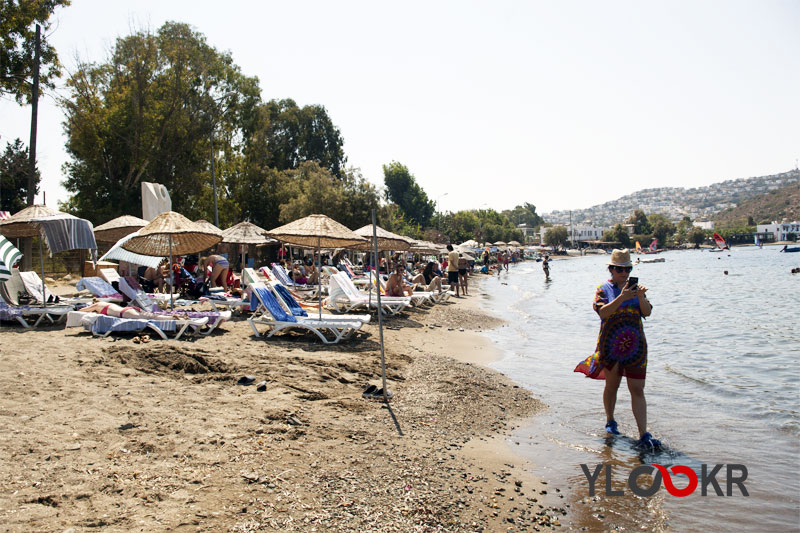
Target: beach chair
(418, 298)
(280, 274)
(11, 309)
(102, 325)
(102, 289)
(268, 311)
(20, 313)
(344, 297)
(300, 312)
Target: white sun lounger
(103, 326)
(270, 313)
(344, 296)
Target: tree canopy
(18, 19)
(147, 114)
(14, 170)
(403, 190)
(296, 134)
(557, 237)
(524, 214)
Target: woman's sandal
(137, 340)
(145, 338)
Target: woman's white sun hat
(620, 258)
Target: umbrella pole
(380, 314)
(171, 275)
(319, 278)
(41, 260)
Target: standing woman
(219, 266)
(546, 266)
(621, 345)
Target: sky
(563, 104)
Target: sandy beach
(105, 433)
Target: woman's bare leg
(613, 379)
(215, 275)
(638, 404)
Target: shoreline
(105, 433)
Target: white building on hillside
(581, 234)
(780, 230)
(704, 224)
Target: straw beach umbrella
(515, 244)
(499, 243)
(19, 225)
(386, 239)
(205, 224)
(115, 229)
(171, 233)
(245, 233)
(316, 231)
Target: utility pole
(27, 244)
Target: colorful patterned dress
(621, 339)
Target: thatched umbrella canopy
(499, 243)
(114, 230)
(386, 239)
(19, 225)
(245, 233)
(171, 233)
(424, 247)
(515, 244)
(316, 231)
(203, 223)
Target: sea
(723, 388)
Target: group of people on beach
(429, 277)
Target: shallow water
(722, 385)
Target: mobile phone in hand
(633, 282)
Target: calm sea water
(723, 384)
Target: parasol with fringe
(169, 234)
(114, 230)
(19, 225)
(316, 231)
(386, 240)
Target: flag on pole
(8, 257)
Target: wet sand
(106, 433)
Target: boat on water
(653, 260)
(790, 250)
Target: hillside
(677, 202)
(774, 206)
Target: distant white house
(578, 232)
(780, 230)
(529, 232)
(703, 224)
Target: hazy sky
(563, 104)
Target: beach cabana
(169, 234)
(114, 230)
(316, 231)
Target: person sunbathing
(396, 285)
(427, 277)
(117, 311)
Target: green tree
(661, 227)
(617, 234)
(148, 114)
(524, 214)
(14, 167)
(697, 236)
(314, 190)
(298, 134)
(403, 190)
(18, 19)
(557, 237)
(639, 220)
